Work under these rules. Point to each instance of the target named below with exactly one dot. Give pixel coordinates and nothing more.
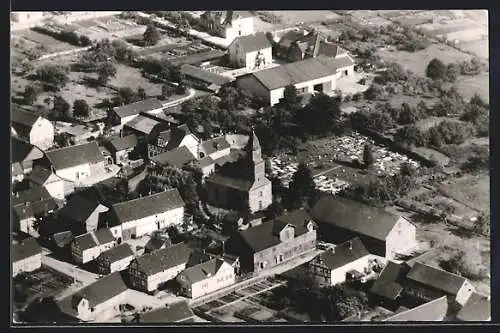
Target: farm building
(387, 290)
(177, 157)
(242, 184)
(123, 114)
(382, 233)
(115, 259)
(171, 313)
(477, 308)
(32, 128)
(121, 147)
(198, 58)
(434, 310)
(150, 270)
(144, 215)
(157, 242)
(203, 79)
(26, 256)
(251, 52)
(145, 127)
(176, 137)
(56, 186)
(308, 76)
(24, 154)
(274, 242)
(89, 246)
(228, 24)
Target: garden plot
(108, 27)
(49, 44)
(131, 77)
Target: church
(241, 185)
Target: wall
(339, 275)
(56, 189)
(224, 278)
(93, 219)
(277, 94)
(402, 237)
(27, 226)
(349, 69)
(121, 264)
(27, 265)
(42, 134)
(154, 280)
(122, 155)
(263, 194)
(220, 153)
(240, 27)
(464, 293)
(249, 59)
(83, 171)
(104, 309)
(149, 224)
(191, 143)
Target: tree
(60, 110)
(408, 115)
(54, 76)
(175, 74)
(141, 93)
(368, 158)
(151, 36)
(80, 108)
(31, 93)
(167, 90)
(452, 72)
(229, 97)
(290, 97)
(341, 302)
(410, 135)
(126, 95)
(84, 40)
(375, 91)
(302, 186)
(436, 70)
(320, 115)
(105, 71)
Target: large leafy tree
(151, 36)
(436, 70)
(105, 72)
(54, 76)
(80, 108)
(302, 187)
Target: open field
(50, 44)
(110, 27)
(472, 190)
(127, 76)
(306, 16)
(469, 85)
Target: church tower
(254, 156)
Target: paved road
(192, 93)
(78, 274)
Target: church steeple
(254, 157)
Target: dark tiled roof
(123, 143)
(119, 252)
(354, 216)
(254, 42)
(298, 218)
(39, 174)
(31, 202)
(198, 257)
(21, 150)
(17, 169)
(436, 278)
(176, 312)
(206, 161)
(176, 136)
(146, 206)
(63, 239)
(75, 155)
(292, 73)
(79, 207)
(331, 49)
(203, 75)
(104, 236)
(85, 241)
(145, 125)
(164, 259)
(23, 118)
(103, 289)
(432, 311)
(202, 271)
(33, 194)
(336, 63)
(389, 283)
(477, 308)
(138, 107)
(236, 183)
(177, 157)
(25, 249)
(156, 243)
(344, 254)
(214, 145)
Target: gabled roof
(292, 73)
(25, 249)
(39, 174)
(17, 169)
(336, 63)
(31, 195)
(330, 49)
(119, 252)
(290, 37)
(240, 184)
(71, 156)
(202, 271)
(354, 216)
(36, 200)
(85, 241)
(432, 311)
(123, 143)
(80, 206)
(255, 42)
(177, 157)
(216, 144)
(198, 257)
(390, 282)
(62, 239)
(298, 218)
(176, 135)
(145, 125)
(138, 107)
(21, 150)
(169, 257)
(104, 236)
(203, 75)
(477, 308)
(173, 313)
(103, 289)
(24, 118)
(436, 278)
(156, 243)
(344, 254)
(145, 206)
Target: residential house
(83, 210)
(179, 136)
(426, 283)
(284, 43)
(388, 289)
(146, 127)
(87, 247)
(337, 265)
(98, 300)
(206, 277)
(251, 51)
(307, 76)
(178, 312)
(32, 128)
(79, 134)
(177, 157)
(274, 242)
(435, 310)
(207, 166)
(214, 148)
(57, 187)
(29, 206)
(144, 215)
(228, 24)
(203, 79)
(124, 114)
(156, 243)
(149, 271)
(241, 185)
(17, 173)
(477, 308)
(23, 155)
(115, 259)
(120, 148)
(384, 234)
(77, 163)
(26, 256)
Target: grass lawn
(131, 77)
(479, 84)
(474, 190)
(51, 44)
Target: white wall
(191, 144)
(27, 265)
(224, 278)
(42, 134)
(277, 94)
(83, 171)
(56, 189)
(338, 275)
(149, 224)
(251, 56)
(120, 265)
(161, 277)
(85, 314)
(255, 197)
(464, 293)
(402, 237)
(349, 69)
(220, 153)
(26, 226)
(240, 27)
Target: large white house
(308, 76)
(251, 52)
(228, 24)
(141, 216)
(32, 128)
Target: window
(260, 193)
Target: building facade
(251, 52)
(87, 247)
(115, 259)
(228, 24)
(34, 129)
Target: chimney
(350, 245)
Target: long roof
(175, 312)
(477, 308)
(146, 206)
(390, 282)
(119, 252)
(202, 271)
(255, 42)
(436, 278)
(80, 206)
(176, 157)
(344, 254)
(293, 73)
(144, 124)
(21, 150)
(71, 156)
(138, 107)
(203, 75)
(197, 57)
(240, 184)
(25, 249)
(354, 216)
(102, 290)
(164, 259)
(434, 310)
(123, 143)
(24, 118)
